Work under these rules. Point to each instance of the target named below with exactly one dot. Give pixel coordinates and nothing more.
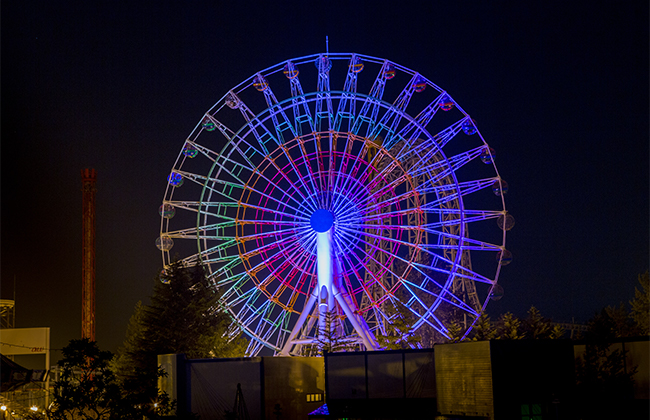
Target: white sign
(14, 341)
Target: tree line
(184, 316)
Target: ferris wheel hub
(321, 220)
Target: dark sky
(560, 91)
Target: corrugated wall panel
(464, 379)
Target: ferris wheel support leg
(325, 280)
(359, 325)
(309, 304)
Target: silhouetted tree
(509, 327)
(641, 304)
(184, 317)
(602, 377)
(484, 329)
(399, 329)
(330, 338)
(87, 389)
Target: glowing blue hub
(322, 220)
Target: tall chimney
(88, 179)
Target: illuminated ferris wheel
(318, 205)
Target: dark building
(499, 379)
(262, 387)
(503, 379)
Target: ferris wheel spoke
(286, 261)
(286, 194)
(297, 286)
(223, 129)
(357, 195)
(371, 257)
(266, 248)
(227, 188)
(231, 288)
(323, 96)
(462, 188)
(290, 181)
(454, 192)
(445, 136)
(275, 211)
(357, 278)
(224, 272)
(200, 206)
(455, 217)
(275, 109)
(344, 211)
(221, 250)
(446, 296)
(297, 207)
(343, 177)
(378, 179)
(284, 280)
(414, 129)
(264, 325)
(254, 124)
(262, 236)
(205, 151)
(301, 111)
(275, 185)
(388, 227)
(314, 179)
(466, 273)
(376, 280)
(387, 126)
(254, 345)
(347, 188)
(375, 217)
(460, 271)
(242, 299)
(320, 157)
(352, 232)
(346, 108)
(332, 161)
(440, 169)
(465, 242)
(253, 317)
(371, 102)
(386, 204)
(439, 296)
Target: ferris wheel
(330, 190)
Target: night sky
(560, 91)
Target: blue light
(322, 220)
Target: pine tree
(601, 373)
(483, 329)
(184, 317)
(641, 304)
(329, 338)
(399, 331)
(88, 389)
(454, 330)
(535, 326)
(557, 332)
(612, 322)
(509, 327)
